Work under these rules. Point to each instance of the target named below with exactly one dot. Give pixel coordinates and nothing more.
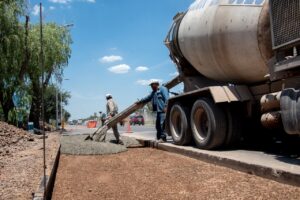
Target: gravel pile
(76, 145)
(13, 139)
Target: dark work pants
(115, 130)
(160, 125)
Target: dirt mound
(21, 171)
(12, 139)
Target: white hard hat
(108, 95)
(154, 81)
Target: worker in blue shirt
(159, 97)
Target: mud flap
(290, 111)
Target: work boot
(120, 142)
(161, 140)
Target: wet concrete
(76, 145)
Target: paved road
(145, 128)
(145, 131)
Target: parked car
(137, 120)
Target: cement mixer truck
(239, 61)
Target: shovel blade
(88, 138)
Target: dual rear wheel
(209, 124)
(178, 125)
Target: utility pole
(62, 116)
(56, 101)
(43, 117)
(61, 100)
(61, 108)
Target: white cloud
(120, 69)
(51, 8)
(36, 10)
(146, 82)
(141, 69)
(60, 1)
(174, 74)
(110, 59)
(69, 1)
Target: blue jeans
(160, 125)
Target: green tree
(14, 52)
(50, 102)
(1, 114)
(57, 51)
(67, 116)
(20, 48)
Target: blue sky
(118, 46)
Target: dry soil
(21, 168)
(152, 174)
(13, 139)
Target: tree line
(20, 61)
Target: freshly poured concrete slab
(77, 145)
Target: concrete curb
(50, 180)
(262, 171)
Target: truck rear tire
(234, 125)
(178, 125)
(208, 124)
(290, 111)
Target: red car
(137, 120)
